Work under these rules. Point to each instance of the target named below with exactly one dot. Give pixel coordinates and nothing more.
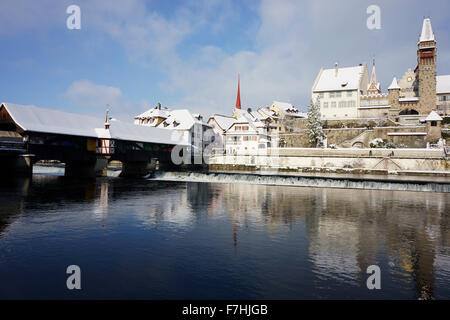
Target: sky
(129, 55)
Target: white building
(339, 90)
(190, 126)
(152, 117)
(443, 94)
(220, 124)
(285, 110)
(247, 134)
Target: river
(147, 239)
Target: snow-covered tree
(314, 126)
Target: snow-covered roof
(427, 32)
(223, 122)
(154, 112)
(181, 119)
(409, 99)
(394, 84)
(36, 119)
(443, 84)
(433, 116)
(284, 106)
(245, 117)
(267, 112)
(344, 79)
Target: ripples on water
(192, 240)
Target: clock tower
(426, 68)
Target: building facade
(417, 93)
(339, 91)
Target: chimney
(249, 110)
(158, 106)
(336, 69)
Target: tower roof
(427, 32)
(374, 86)
(238, 98)
(394, 85)
(433, 116)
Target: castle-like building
(350, 93)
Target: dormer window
(165, 124)
(176, 124)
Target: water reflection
(328, 235)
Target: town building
(219, 125)
(190, 126)
(153, 117)
(248, 132)
(443, 95)
(339, 91)
(374, 104)
(349, 93)
(246, 135)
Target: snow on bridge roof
(36, 119)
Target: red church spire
(238, 98)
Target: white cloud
(286, 48)
(88, 94)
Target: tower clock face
(409, 79)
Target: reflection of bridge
(85, 144)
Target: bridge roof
(35, 119)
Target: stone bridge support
(137, 169)
(16, 165)
(86, 169)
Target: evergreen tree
(314, 126)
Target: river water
(146, 239)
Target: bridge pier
(86, 169)
(137, 168)
(18, 165)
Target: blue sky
(187, 54)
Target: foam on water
(305, 181)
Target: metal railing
(12, 146)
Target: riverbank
(432, 162)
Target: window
(433, 123)
(325, 104)
(338, 94)
(342, 104)
(349, 93)
(351, 104)
(333, 104)
(321, 95)
(331, 94)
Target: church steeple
(238, 98)
(374, 86)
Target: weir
(307, 181)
